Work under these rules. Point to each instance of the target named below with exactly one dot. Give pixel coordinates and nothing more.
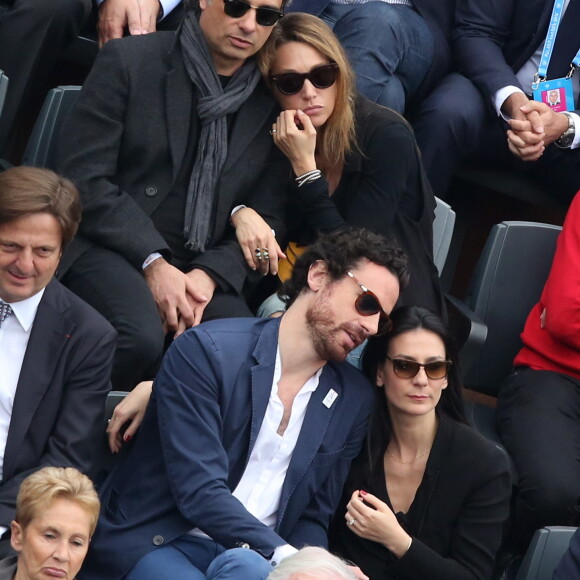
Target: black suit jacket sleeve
(67, 423)
(90, 153)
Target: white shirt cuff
(167, 6)
(150, 259)
(282, 552)
(576, 142)
(237, 208)
(3, 530)
(499, 98)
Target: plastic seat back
(507, 282)
(443, 225)
(3, 89)
(544, 552)
(41, 147)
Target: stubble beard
(324, 333)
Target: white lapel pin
(330, 398)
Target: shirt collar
(309, 386)
(25, 310)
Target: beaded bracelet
(308, 177)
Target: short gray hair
(316, 562)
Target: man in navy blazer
(251, 428)
(399, 50)
(55, 351)
(486, 112)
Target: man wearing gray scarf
(170, 134)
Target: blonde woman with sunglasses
(429, 496)
(350, 162)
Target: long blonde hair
(337, 137)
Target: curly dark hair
(341, 251)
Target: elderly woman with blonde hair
(56, 514)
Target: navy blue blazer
(207, 407)
(495, 38)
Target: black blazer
(455, 520)
(58, 410)
(124, 145)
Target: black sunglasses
(368, 304)
(321, 77)
(265, 16)
(407, 369)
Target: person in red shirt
(538, 414)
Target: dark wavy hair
(407, 319)
(341, 251)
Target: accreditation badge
(557, 94)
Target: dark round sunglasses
(407, 369)
(368, 304)
(265, 16)
(321, 77)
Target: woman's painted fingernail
(363, 492)
(127, 438)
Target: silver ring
(109, 421)
(351, 522)
(272, 131)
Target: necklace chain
(409, 462)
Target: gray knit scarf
(214, 103)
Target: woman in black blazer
(429, 496)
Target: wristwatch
(567, 137)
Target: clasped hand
(533, 127)
(180, 297)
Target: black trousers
(112, 286)
(538, 419)
(455, 124)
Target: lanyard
(549, 43)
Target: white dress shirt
(260, 487)
(14, 335)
